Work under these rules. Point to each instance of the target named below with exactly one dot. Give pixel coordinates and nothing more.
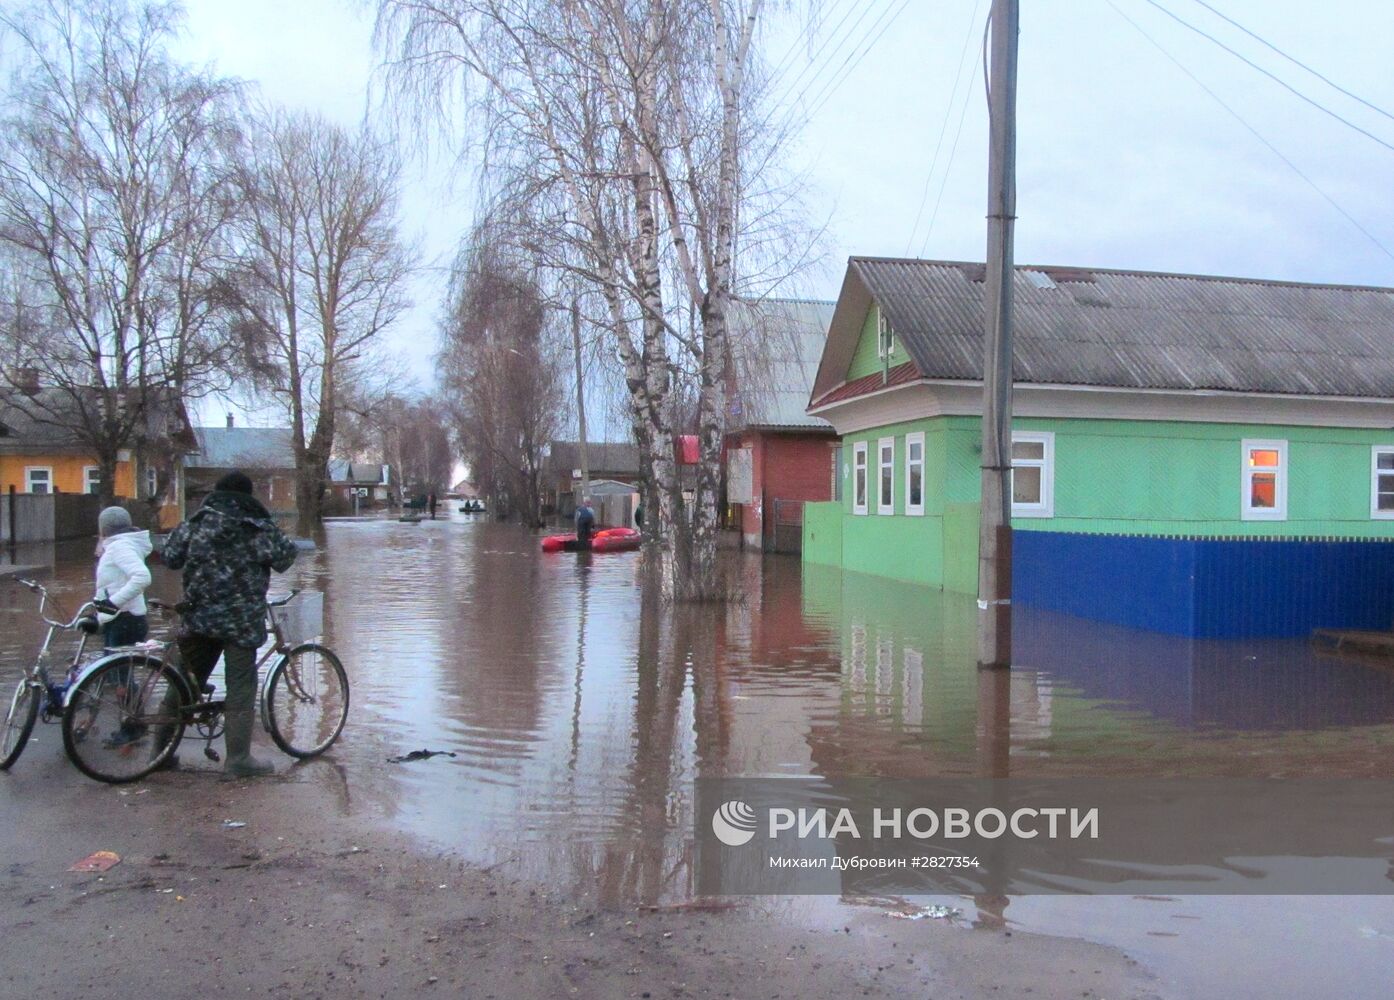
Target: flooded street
(579, 717)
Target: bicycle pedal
(212, 754)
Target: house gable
(867, 359)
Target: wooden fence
(47, 517)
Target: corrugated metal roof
(602, 456)
(341, 470)
(243, 448)
(1134, 329)
(49, 418)
(776, 345)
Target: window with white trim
(859, 478)
(914, 473)
(885, 487)
(1382, 482)
(1033, 474)
(91, 479)
(1264, 481)
(152, 482)
(38, 479)
(885, 336)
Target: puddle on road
(579, 718)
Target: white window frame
(860, 464)
(1375, 452)
(87, 483)
(1046, 506)
(885, 505)
(152, 481)
(29, 470)
(916, 510)
(885, 336)
(1280, 484)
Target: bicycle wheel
(19, 723)
(307, 700)
(125, 719)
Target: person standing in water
(585, 523)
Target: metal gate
(786, 531)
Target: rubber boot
(238, 736)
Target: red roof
(899, 375)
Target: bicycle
(126, 714)
(37, 695)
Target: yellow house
(49, 470)
(42, 457)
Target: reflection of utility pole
(995, 524)
(580, 398)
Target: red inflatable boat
(606, 540)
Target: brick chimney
(229, 420)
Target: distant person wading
(227, 550)
(585, 523)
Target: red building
(777, 456)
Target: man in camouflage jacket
(227, 550)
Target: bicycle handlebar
(159, 605)
(81, 612)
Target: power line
(1272, 76)
(1295, 61)
(944, 126)
(787, 107)
(840, 75)
(798, 80)
(784, 63)
(953, 149)
(1253, 131)
(792, 101)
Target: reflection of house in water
(909, 700)
(908, 675)
(777, 670)
(1270, 684)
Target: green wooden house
(1193, 454)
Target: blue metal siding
(1208, 588)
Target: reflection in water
(582, 711)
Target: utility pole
(580, 397)
(995, 525)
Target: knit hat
(113, 521)
(234, 482)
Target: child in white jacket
(122, 577)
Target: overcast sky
(1123, 160)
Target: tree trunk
(106, 465)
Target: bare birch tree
(114, 205)
(323, 273)
(625, 124)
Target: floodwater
(579, 715)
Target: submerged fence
(47, 517)
(786, 528)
